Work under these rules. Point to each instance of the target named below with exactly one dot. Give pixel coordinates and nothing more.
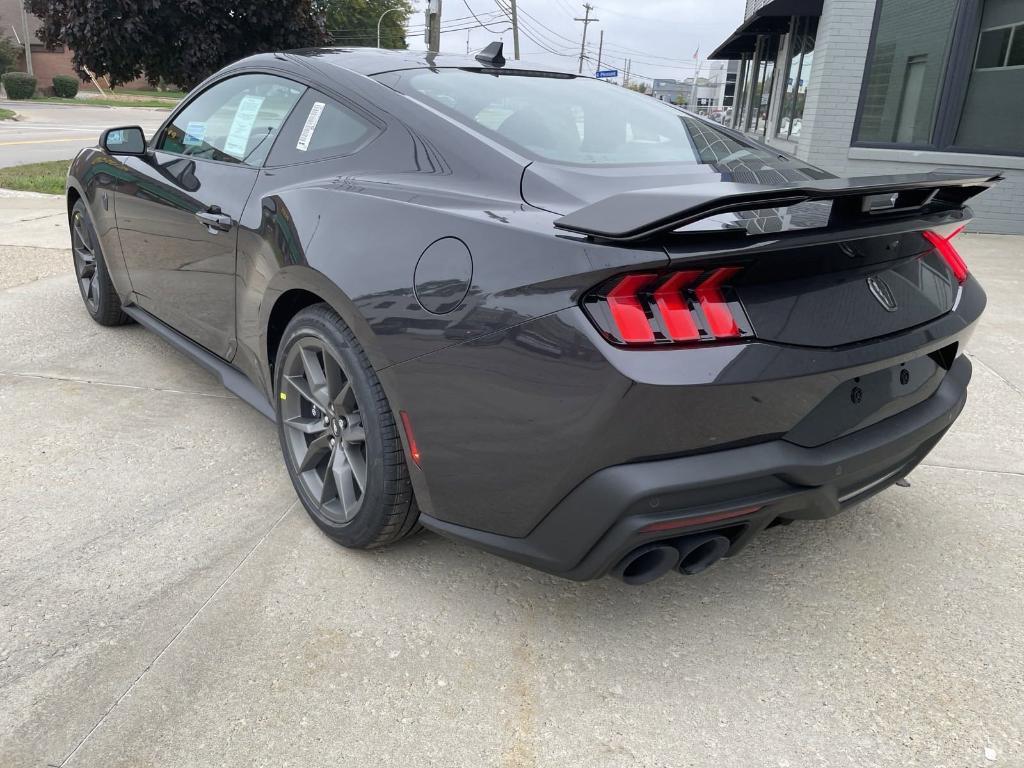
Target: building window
(945, 75)
(801, 59)
(905, 71)
(993, 110)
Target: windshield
(572, 120)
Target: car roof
(374, 61)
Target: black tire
(98, 293)
(386, 509)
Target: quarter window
(320, 127)
(234, 121)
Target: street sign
(607, 73)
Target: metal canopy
(770, 19)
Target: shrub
(19, 85)
(9, 54)
(64, 86)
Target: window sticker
(310, 126)
(195, 133)
(241, 126)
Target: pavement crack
(1009, 472)
(179, 633)
(74, 380)
(998, 375)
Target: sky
(661, 36)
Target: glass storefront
(799, 75)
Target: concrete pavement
(58, 131)
(164, 601)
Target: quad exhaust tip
(687, 556)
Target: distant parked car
(578, 328)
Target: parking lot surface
(164, 601)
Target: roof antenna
(492, 55)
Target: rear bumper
(603, 518)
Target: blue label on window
(195, 133)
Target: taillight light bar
(946, 249)
(687, 306)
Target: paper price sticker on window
(307, 130)
(195, 133)
(241, 126)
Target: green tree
(10, 53)
(354, 22)
(180, 42)
(638, 87)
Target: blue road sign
(607, 73)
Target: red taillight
(627, 311)
(675, 310)
(414, 450)
(709, 293)
(685, 306)
(947, 250)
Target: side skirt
(233, 380)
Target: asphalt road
(57, 131)
(165, 602)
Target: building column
(833, 93)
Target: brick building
(889, 86)
(46, 62)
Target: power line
(466, 3)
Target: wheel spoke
(345, 483)
(87, 268)
(316, 379)
(86, 245)
(337, 384)
(315, 453)
(355, 433)
(310, 426)
(357, 462)
(91, 292)
(329, 490)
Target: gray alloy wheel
(341, 444)
(98, 292)
(324, 431)
(84, 250)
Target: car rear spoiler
(641, 214)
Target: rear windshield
(571, 120)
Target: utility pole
(625, 79)
(433, 34)
(27, 41)
(515, 30)
(600, 48)
(586, 21)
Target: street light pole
(389, 10)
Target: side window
(235, 121)
(321, 127)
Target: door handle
(215, 221)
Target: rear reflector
(414, 450)
(694, 305)
(689, 522)
(947, 250)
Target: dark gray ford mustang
(565, 322)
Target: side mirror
(124, 141)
